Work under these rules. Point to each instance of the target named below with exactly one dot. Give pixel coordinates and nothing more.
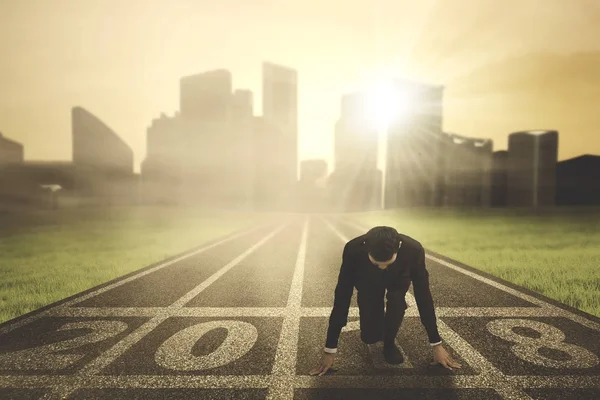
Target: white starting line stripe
(468, 353)
(450, 382)
(283, 311)
(109, 356)
(81, 298)
(544, 307)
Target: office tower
(206, 96)
(499, 191)
(243, 104)
(578, 181)
(312, 195)
(161, 170)
(532, 157)
(355, 183)
(414, 147)
(468, 172)
(279, 124)
(10, 151)
(98, 147)
(102, 160)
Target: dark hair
(382, 242)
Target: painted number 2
(47, 357)
(527, 348)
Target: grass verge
(46, 256)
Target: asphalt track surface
(245, 317)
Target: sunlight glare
(386, 104)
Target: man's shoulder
(410, 245)
(410, 241)
(356, 244)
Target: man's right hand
(324, 365)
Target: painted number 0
(527, 348)
(176, 352)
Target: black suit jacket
(358, 272)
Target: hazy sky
(122, 60)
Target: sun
(387, 103)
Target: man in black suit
(378, 260)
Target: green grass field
(48, 255)
(553, 252)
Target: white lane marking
(182, 312)
(282, 312)
(480, 364)
(541, 303)
(284, 366)
(81, 298)
(451, 381)
(447, 312)
(106, 358)
(472, 356)
(198, 289)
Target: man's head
(382, 245)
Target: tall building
(271, 177)
(161, 169)
(10, 151)
(578, 181)
(242, 105)
(279, 128)
(499, 191)
(312, 195)
(468, 171)
(96, 146)
(415, 147)
(355, 183)
(206, 96)
(532, 158)
(103, 161)
(203, 155)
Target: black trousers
(375, 323)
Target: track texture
(245, 317)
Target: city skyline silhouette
(129, 94)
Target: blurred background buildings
(215, 152)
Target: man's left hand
(441, 356)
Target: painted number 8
(527, 348)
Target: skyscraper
(468, 172)
(102, 160)
(414, 148)
(499, 190)
(97, 147)
(279, 130)
(206, 96)
(532, 158)
(355, 183)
